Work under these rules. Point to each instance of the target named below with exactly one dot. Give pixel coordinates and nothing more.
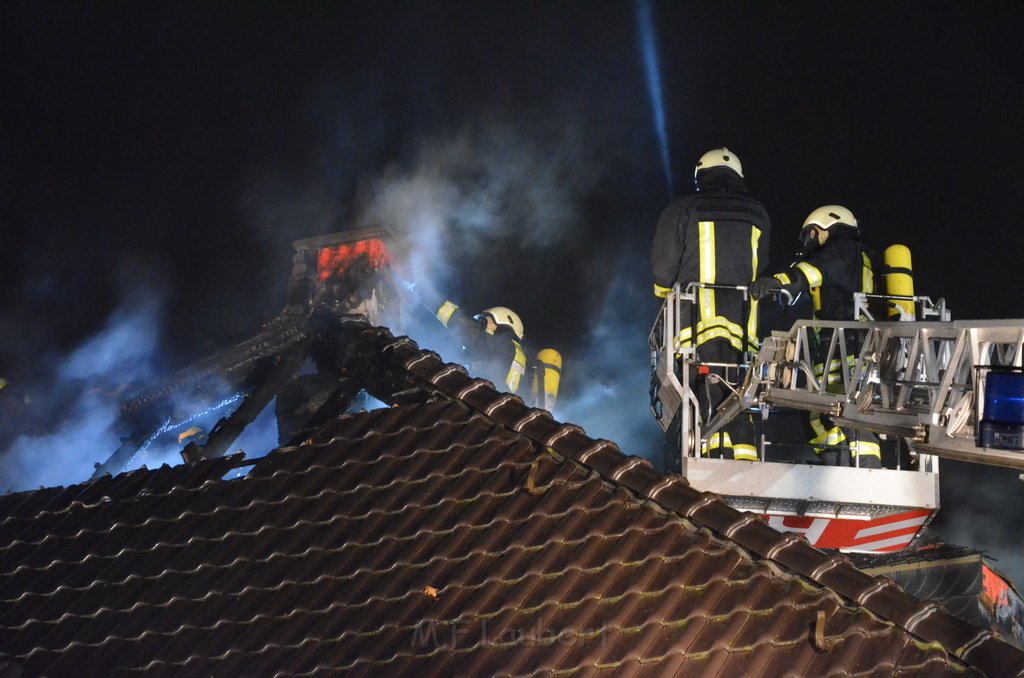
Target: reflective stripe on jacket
(841, 267)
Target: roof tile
(992, 655)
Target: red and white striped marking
(880, 535)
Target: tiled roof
(464, 534)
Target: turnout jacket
(832, 274)
(718, 235)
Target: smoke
(64, 456)
(80, 407)
(469, 212)
(83, 399)
(607, 382)
(983, 507)
(468, 200)
(122, 352)
(488, 189)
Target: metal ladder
(923, 381)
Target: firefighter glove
(763, 287)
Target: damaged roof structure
(961, 578)
(456, 532)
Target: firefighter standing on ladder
(833, 265)
(719, 235)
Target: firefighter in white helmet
(833, 265)
(718, 236)
(490, 344)
(492, 341)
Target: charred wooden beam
(227, 430)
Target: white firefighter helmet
(827, 216)
(719, 157)
(505, 316)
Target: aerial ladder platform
(920, 385)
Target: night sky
(157, 159)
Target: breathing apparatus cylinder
(546, 377)
(899, 281)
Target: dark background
(164, 155)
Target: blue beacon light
(1002, 423)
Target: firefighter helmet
(506, 317)
(720, 157)
(827, 216)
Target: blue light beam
(648, 50)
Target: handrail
(922, 381)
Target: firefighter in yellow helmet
(833, 265)
(718, 235)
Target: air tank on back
(899, 281)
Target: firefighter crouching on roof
(490, 345)
(719, 235)
(833, 265)
(492, 341)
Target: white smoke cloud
(503, 184)
(91, 377)
(84, 402)
(485, 184)
(66, 455)
(122, 352)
